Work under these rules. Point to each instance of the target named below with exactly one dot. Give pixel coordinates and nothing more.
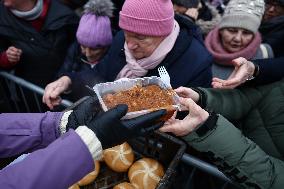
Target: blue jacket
(188, 63)
(55, 162)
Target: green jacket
(252, 151)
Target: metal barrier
(19, 95)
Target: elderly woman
(237, 36)
(151, 37)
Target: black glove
(112, 131)
(84, 113)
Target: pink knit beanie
(147, 17)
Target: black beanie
(186, 3)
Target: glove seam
(64, 121)
(91, 140)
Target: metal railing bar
(204, 166)
(24, 98)
(30, 86)
(37, 102)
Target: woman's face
(235, 39)
(93, 55)
(141, 46)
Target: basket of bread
(142, 163)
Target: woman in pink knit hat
(237, 36)
(151, 37)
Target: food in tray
(141, 98)
(145, 173)
(124, 185)
(119, 158)
(91, 176)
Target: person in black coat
(34, 37)
(272, 26)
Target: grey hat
(246, 14)
(187, 3)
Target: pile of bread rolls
(143, 174)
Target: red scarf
(221, 56)
(38, 23)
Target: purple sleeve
(26, 132)
(58, 166)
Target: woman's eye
(232, 30)
(141, 38)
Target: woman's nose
(87, 52)
(238, 36)
(131, 44)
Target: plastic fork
(164, 75)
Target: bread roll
(124, 185)
(74, 186)
(89, 178)
(119, 158)
(145, 173)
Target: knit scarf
(221, 56)
(138, 68)
(32, 14)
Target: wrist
(208, 125)
(255, 72)
(64, 121)
(200, 97)
(91, 141)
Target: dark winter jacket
(252, 151)
(272, 33)
(270, 70)
(44, 51)
(74, 61)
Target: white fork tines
(164, 75)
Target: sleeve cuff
(91, 141)
(64, 121)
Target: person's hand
(13, 54)
(84, 113)
(196, 117)
(111, 131)
(187, 93)
(51, 96)
(243, 70)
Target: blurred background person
(272, 26)
(202, 13)
(34, 37)
(237, 36)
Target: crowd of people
(224, 59)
